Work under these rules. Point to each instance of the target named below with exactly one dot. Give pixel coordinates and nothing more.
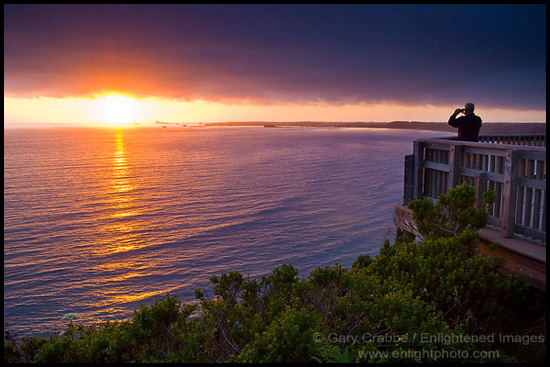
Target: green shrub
(380, 310)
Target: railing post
(509, 194)
(480, 186)
(408, 189)
(454, 166)
(418, 169)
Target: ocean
(98, 222)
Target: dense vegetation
(432, 300)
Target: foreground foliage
(427, 301)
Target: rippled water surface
(97, 222)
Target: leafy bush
(452, 214)
(383, 309)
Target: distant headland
(487, 128)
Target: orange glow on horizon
(119, 110)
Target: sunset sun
(117, 109)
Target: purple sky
(410, 54)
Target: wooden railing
(514, 167)
(529, 140)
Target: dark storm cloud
(432, 54)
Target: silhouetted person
(468, 125)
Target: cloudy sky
(424, 58)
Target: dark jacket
(468, 126)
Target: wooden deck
(522, 255)
(514, 167)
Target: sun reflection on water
(120, 234)
(116, 296)
(121, 183)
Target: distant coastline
(487, 128)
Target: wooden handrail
(516, 172)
